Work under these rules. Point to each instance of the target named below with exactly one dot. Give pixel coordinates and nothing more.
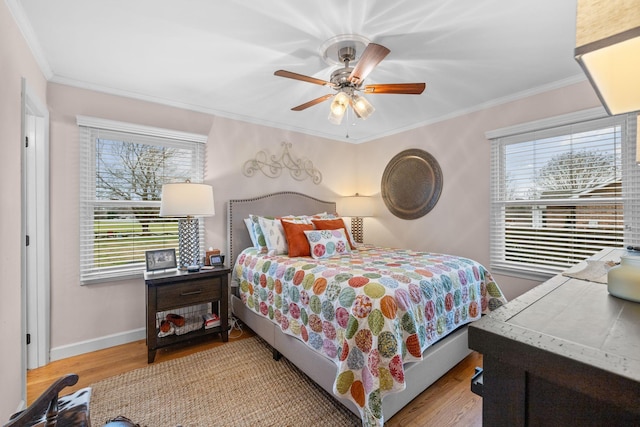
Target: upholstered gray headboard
(276, 204)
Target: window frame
(88, 128)
(523, 132)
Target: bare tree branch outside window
(576, 171)
(134, 172)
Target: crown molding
(549, 122)
(113, 125)
(30, 37)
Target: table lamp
(187, 200)
(357, 207)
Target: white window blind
(561, 194)
(122, 170)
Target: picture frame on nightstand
(216, 260)
(161, 259)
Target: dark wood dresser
(566, 353)
(177, 289)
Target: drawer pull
(184, 294)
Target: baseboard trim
(100, 343)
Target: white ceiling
(219, 57)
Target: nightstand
(168, 291)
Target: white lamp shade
(187, 199)
(608, 50)
(356, 206)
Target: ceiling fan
(348, 81)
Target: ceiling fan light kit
(347, 81)
(338, 108)
(361, 106)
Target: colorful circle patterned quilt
(370, 310)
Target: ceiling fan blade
(296, 76)
(312, 102)
(403, 88)
(372, 55)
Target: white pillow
(327, 243)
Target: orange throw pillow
(333, 224)
(296, 239)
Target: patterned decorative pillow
(334, 224)
(322, 215)
(297, 219)
(273, 235)
(327, 243)
(252, 233)
(269, 234)
(261, 242)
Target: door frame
(35, 286)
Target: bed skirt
(438, 359)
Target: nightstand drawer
(187, 293)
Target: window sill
(138, 275)
(522, 273)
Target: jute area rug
(235, 384)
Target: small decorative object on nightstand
(178, 289)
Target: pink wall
(16, 63)
(459, 223)
(118, 307)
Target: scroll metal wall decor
(272, 166)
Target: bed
(367, 343)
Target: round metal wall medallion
(411, 184)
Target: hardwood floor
(448, 402)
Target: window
(122, 170)
(561, 193)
